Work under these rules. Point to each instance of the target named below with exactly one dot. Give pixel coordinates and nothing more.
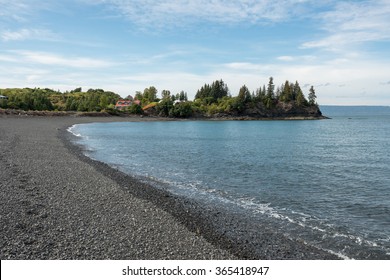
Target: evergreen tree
(244, 94)
(183, 96)
(259, 94)
(286, 94)
(211, 94)
(312, 96)
(271, 88)
(269, 99)
(296, 91)
(203, 92)
(219, 90)
(298, 95)
(278, 92)
(300, 98)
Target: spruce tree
(271, 88)
(244, 94)
(312, 96)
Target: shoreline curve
(187, 229)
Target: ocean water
(326, 182)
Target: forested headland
(211, 101)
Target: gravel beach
(55, 203)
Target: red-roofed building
(123, 104)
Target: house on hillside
(3, 97)
(123, 104)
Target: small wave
(320, 228)
(340, 255)
(71, 130)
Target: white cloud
(161, 13)
(285, 58)
(335, 82)
(28, 34)
(299, 58)
(50, 59)
(13, 10)
(8, 58)
(339, 82)
(21, 11)
(243, 66)
(353, 22)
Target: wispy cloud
(354, 22)
(175, 13)
(21, 10)
(45, 58)
(301, 58)
(18, 20)
(285, 58)
(28, 34)
(13, 10)
(243, 66)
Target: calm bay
(325, 182)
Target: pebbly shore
(55, 203)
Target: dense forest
(211, 100)
(47, 99)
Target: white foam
(71, 130)
(340, 255)
(357, 239)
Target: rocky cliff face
(279, 111)
(283, 110)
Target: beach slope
(55, 206)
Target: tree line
(214, 98)
(37, 99)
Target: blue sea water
(325, 182)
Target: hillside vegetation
(211, 101)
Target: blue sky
(342, 48)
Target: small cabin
(3, 97)
(123, 104)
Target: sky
(342, 48)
